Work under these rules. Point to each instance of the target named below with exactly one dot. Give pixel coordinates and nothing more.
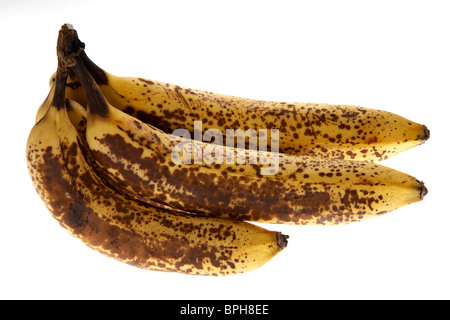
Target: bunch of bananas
(100, 156)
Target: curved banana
(66, 179)
(308, 129)
(299, 190)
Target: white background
(392, 55)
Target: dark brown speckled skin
(65, 177)
(309, 129)
(304, 190)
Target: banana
(307, 129)
(67, 180)
(299, 190)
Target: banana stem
(71, 56)
(97, 73)
(60, 89)
(96, 101)
(68, 47)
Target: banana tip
(426, 134)
(423, 190)
(282, 240)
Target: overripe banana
(66, 178)
(308, 129)
(103, 159)
(299, 190)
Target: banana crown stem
(68, 47)
(69, 51)
(95, 99)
